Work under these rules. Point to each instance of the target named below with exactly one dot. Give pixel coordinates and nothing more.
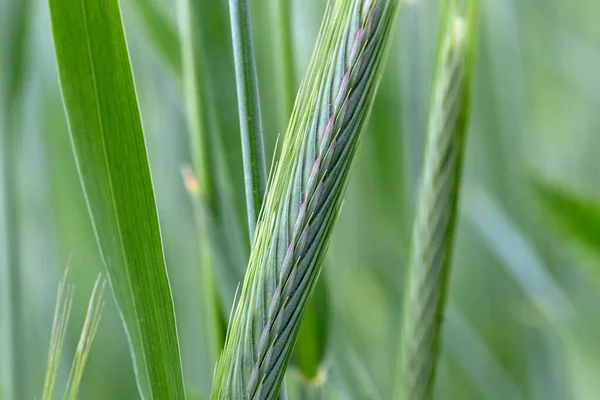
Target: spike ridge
(305, 196)
(433, 228)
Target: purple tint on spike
(289, 253)
(315, 169)
(330, 154)
(304, 237)
(300, 216)
(329, 126)
(318, 192)
(356, 43)
(342, 87)
(290, 283)
(359, 64)
(371, 20)
(274, 302)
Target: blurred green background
(523, 320)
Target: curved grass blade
(304, 197)
(106, 133)
(255, 172)
(433, 229)
(574, 216)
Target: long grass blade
(255, 172)
(13, 76)
(433, 228)
(304, 197)
(108, 142)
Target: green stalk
(283, 58)
(13, 260)
(304, 198)
(205, 190)
(13, 81)
(434, 225)
(255, 172)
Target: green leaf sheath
(255, 171)
(106, 133)
(433, 228)
(304, 197)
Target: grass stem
(255, 172)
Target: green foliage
(62, 313)
(575, 217)
(520, 320)
(13, 78)
(304, 197)
(313, 336)
(255, 172)
(106, 133)
(437, 205)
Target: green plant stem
(203, 160)
(255, 172)
(14, 77)
(436, 215)
(13, 260)
(283, 58)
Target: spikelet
(433, 228)
(304, 197)
(62, 313)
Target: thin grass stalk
(14, 78)
(283, 58)
(255, 172)
(304, 197)
(62, 312)
(434, 225)
(88, 332)
(205, 190)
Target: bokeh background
(523, 320)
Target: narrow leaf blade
(106, 133)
